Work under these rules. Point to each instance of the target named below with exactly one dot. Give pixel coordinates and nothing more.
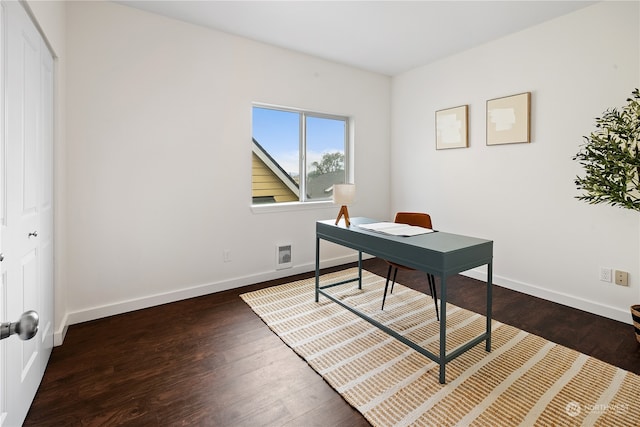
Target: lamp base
(344, 212)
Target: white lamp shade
(343, 194)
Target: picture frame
(509, 119)
(452, 128)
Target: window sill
(291, 207)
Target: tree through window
(297, 155)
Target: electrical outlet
(226, 255)
(605, 274)
(622, 278)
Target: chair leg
(386, 286)
(395, 274)
(432, 289)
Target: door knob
(33, 233)
(26, 327)
(1, 257)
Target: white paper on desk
(396, 229)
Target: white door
(3, 220)
(27, 229)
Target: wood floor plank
(210, 361)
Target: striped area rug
(524, 381)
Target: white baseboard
(93, 313)
(61, 332)
(209, 288)
(557, 297)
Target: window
(297, 155)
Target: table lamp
(343, 194)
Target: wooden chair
(420, 220)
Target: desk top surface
(438, 241)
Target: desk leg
(489, 303)
(317, 269)
(443, 328)
(359, 269)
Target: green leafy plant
(610, 158)
(330, 162)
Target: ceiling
(387, 37)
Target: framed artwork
(452, 128)
(508, 119)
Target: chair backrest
(414, 218)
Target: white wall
(159, 157)
(153, 175)
(546, 242)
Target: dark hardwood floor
(210, 361)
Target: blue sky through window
(279, 132)
(323, 136)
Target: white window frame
(303, 203)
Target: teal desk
(439, 253)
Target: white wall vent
(283, 256)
